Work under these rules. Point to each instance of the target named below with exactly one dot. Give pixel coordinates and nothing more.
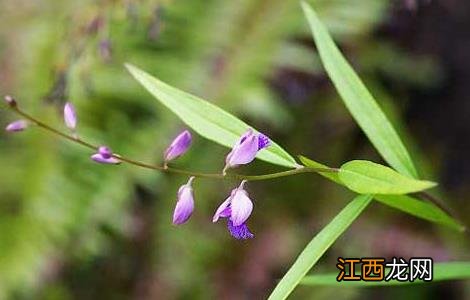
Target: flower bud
(70, 116)
(185, 203)
(105, 152)
(16, 126)
(179, 146)
(10, 101)
(105, 156)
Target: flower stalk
(95, 148)
(237, 208)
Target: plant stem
(84, 143)
(300, 170)
(438, 202)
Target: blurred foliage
(73, 229)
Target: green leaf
(205, 118)
(441, 272)
(358, 99)
(421, 209)
(366, 177)
(405, 203)
(318, 246)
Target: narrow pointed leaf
(410, 205)
(318, 246)
(205, 118)
(358, 99)
(441, 272)
(421, 209)
(366, 177)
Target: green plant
(396, 153)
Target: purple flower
(237, 208)
(105, 156)
(246, 148)
(179, 146)
(185, 204)
(70, 116)
(18, 125)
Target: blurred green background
(72, 229)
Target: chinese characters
(377, 269)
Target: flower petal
(223, 211)
(263, 141)
(185, 204)
(97, 157)
(247, 133)
(240, 232)
(179, 146)
(105, 152)
(241, 207)
(70, 116)
(244, 152)
(17, 126)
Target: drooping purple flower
(16, 126)
(237, 209)
(245, 150)
(105, 156)
(185, 203)
(70, 116)
(179, 146)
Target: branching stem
(78, 140)
(74, 138)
